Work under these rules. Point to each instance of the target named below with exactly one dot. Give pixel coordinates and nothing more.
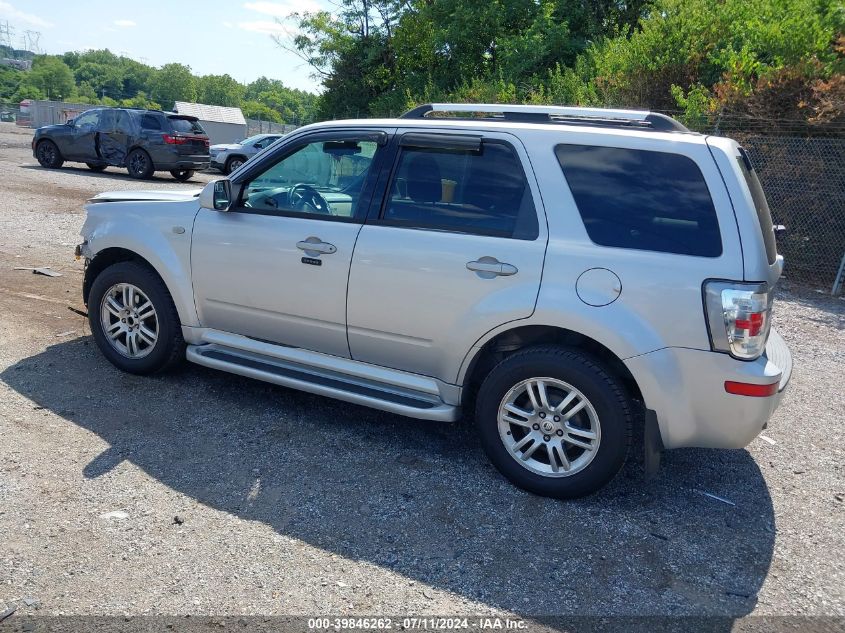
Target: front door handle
(315, 246)
(491, 267)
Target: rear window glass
(764, 215)
(640, 199)
(150, 122)
(186, 126)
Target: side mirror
(217, 195)
(69, 122)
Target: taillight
(739, 317)
(174, 140)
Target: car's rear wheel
(48, 154)
(182, 175)
(554, 421)
(139, 164)
(133, 319)
(233, 163)
(95, 166)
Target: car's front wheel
(48, 154)
(182, 175)
(233, 163)
(139, 164)
(133, 319)
(554, 421)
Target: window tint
(324, 178)
(480, 192)
(644, 200)
(124, 123)
(150, 122)
(107, 120)
(186, 126)
(764, 216)
(87, 119)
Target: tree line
(756, 58)
(103, 78)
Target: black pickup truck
(142, 141)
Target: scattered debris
(839, 497)
(79, 312)
(177, 520)
(341, 584)
(32, 602)
(63, 334)
(766, 438)
(47, 272)
(9, 610)
(717, 498)
(37, 408)
(427, 594)
(115, 514)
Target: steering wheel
(302, 194)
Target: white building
(223, 125)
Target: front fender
(153, 232)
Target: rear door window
(480, 190)
(639, 199)
(186, 126)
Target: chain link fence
(256, 126)
(802, 169)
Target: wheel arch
(482, 358)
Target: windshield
(252, 139)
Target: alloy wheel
(549, 427)
(129, 320)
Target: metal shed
(223, 125)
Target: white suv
(572, 275)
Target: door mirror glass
(217, 195)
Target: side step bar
(324, 382)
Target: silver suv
(574, 278)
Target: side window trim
(381, 137)
(447, 140)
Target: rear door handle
(492, 266)
(316, 245)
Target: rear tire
(95, 167)
(182, 175)
(139, 164)
(564, 401)
(133, 319)
(48, 154)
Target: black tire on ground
(48, 154)
(233, 163)
(95, 167)
(605, 392)
(182, 175)
(139, 164)
(169, 348)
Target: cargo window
(150, 122)
(764, 215)
(480, 190)
(645, 200)
(186, 126)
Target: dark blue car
(142, 141)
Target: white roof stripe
(204, 112)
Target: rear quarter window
(151, 122)
(640, 199)
(186, 126)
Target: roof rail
(556, 114)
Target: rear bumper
(686, 389)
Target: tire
(233, 163)
(168, 347)
(606, 415)
(95, 167)
(182, 175)
(48, 154)
(139, 164)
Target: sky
(210, 36)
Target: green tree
(220, 90)
(174, 82)
(52, 77)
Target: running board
(324, 382)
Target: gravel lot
(291, 504)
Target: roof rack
(605, 117)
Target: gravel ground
(200, 492)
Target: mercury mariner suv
(574, 277)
